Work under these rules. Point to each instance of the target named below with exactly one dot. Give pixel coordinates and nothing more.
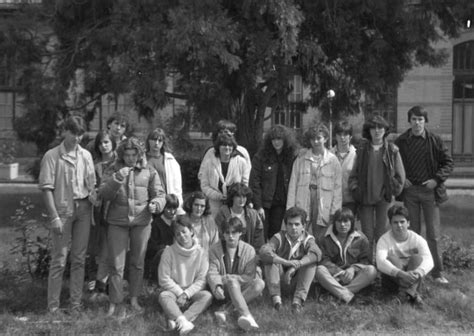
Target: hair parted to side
(398, 210)
(343, 127)
(188, 203)
(132, 143)
(238, 189)
(75, 124)
(224, 139)
(158, 133)
(342, 215)
(181, 221)
(98, 140)
(121, 118)
(419, 111)
(223, 125)
(172, 201)
(233, 223)
(294, 212)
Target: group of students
(287, 216)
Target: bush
(456, 256)
(189, 171)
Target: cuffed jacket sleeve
(313, 253)
(268, 250)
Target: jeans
(393, 284)
(273, 220)
(301, 281)
(120, 238)
(416, 199)
(241, 296)
(76, 230)
(364, 276)
(374, 223)
(197, 304)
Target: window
(290, 115)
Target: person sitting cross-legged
(292, 253)
(233, 273)
(344, 269)
(182, 278)
(403, 257)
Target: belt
(313, 186)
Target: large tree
(234, 58)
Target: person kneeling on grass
(182, 278)
(232, 273)
(403, 257)
(292, 253)
(344, 269)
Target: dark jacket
(263, 179)
(440, 164)
(254, 229)
(394, 174)
(336, 259)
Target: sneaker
(184, 326)
(296, 306)
(441, 280)
(221, 316)
(91, 286)
(417, 300)
(247, 323)
(171, 325)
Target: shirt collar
(423, 135)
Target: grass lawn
(448, 309)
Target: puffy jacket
(263, 179)
(329, 187)
(336, 259)
(129, 199)
(394, 174)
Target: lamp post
(330, 96)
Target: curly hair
(313, 132)
(398, 210)
(371, 123)
(188, 204)
(290, 144)
(294, 212)
(132, 143)
(158, 133)
(235, 190)
(223, 125)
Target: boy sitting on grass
(292, 253)
(233, 273)
(403, 257)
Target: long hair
(101, 135)
(290, 145)
(188, 204)
(132, 143)
(238, 189)
(371, 123)
(342, 215)
(224, 139)
(156, 134)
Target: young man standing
(403, 257)
(291, 254)
(67, 180)
(427, 166)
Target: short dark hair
(222, 125)
(371, 123)
(419, 111)
(75, 124)
(101, 135)
(181, 221)
(188, 204)
(313, 132)
(172, 201)
(295, 212)
(343, 215)
(398, 210)
(120, 118)
(233, 223)
(238, 189)
(224, 139)
(344, 127)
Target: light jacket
(173, 179)
(253, 231)
(336, 258)
(183, 270)
(394, 174)
(210, 153)
(347, 163)
(263, 179)
(56, 174)
(129, 198)
(329, 188)
(246, 268)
